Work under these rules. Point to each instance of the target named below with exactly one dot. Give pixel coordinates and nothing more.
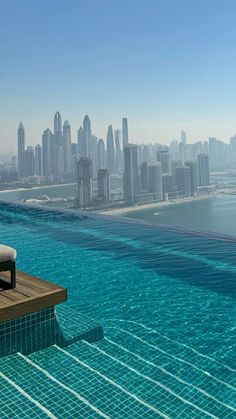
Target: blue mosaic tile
(28, 333)
(39, 330)
(77, 328)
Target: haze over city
(117, 209)
(166, 65)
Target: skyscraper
(145, 153)
(118, 150)
(203, 170)
(163, 156)
(57, 156)
(87, 138)
(168, 184)
(47, 153)
(193, 176)
(38, 160)
(67, 148)
(125, 134)
(174, 150)
(84, 181)
(144, 176)
(154, 181)
(80, 140)
(21, 148)
(94, 154)
(183, 137)
(75, 158)
(101, 154)
(110, 150)
(183, 180)
(58, 128)
(104, 185)
(29, 162)
(131, 173)
(174, 165)
(217, 153)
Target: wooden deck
(31, 294)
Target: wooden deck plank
(30, 281)
(31, 294)
(3, 301)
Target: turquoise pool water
(165, 297)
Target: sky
(166, 65)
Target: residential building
(104, 185)
(21, 148)
(85, 181)
(203, 170)
(131, 173)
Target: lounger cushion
(7, 254)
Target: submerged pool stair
(112, 379)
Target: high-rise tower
(183, 137)
(183, 180)
(125, 135)
(183, 151)
(47, 154)
(118, 150)
(110, 150)
(67, 148)
(154, 180)
(163, 156)
(94, 154)
(58, 129)
(29, 162)
(58, 167)
(193, 176)
(80, 141)
(144, 176)
(104, 185)
(21, 148)
(203, 169)
(38, 160)
(87, 137)
(131, 173)
(84, 181)
(101, 154)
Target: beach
(132, 208)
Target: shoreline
(141, 207)
(35, 188)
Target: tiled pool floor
(166, 300)
(159, 378)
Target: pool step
(123, 376)
(15, 403)
(133, 330)
(172, 396)
(209, 380)
(100, 390)
(116, 367)
(48, 396)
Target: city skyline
(165, 66)
(117, 127)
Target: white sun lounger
(8, 262)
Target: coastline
(178, 201)
(34, 188)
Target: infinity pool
(165, 297)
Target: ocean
(215, 214)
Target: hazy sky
(165, 64)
